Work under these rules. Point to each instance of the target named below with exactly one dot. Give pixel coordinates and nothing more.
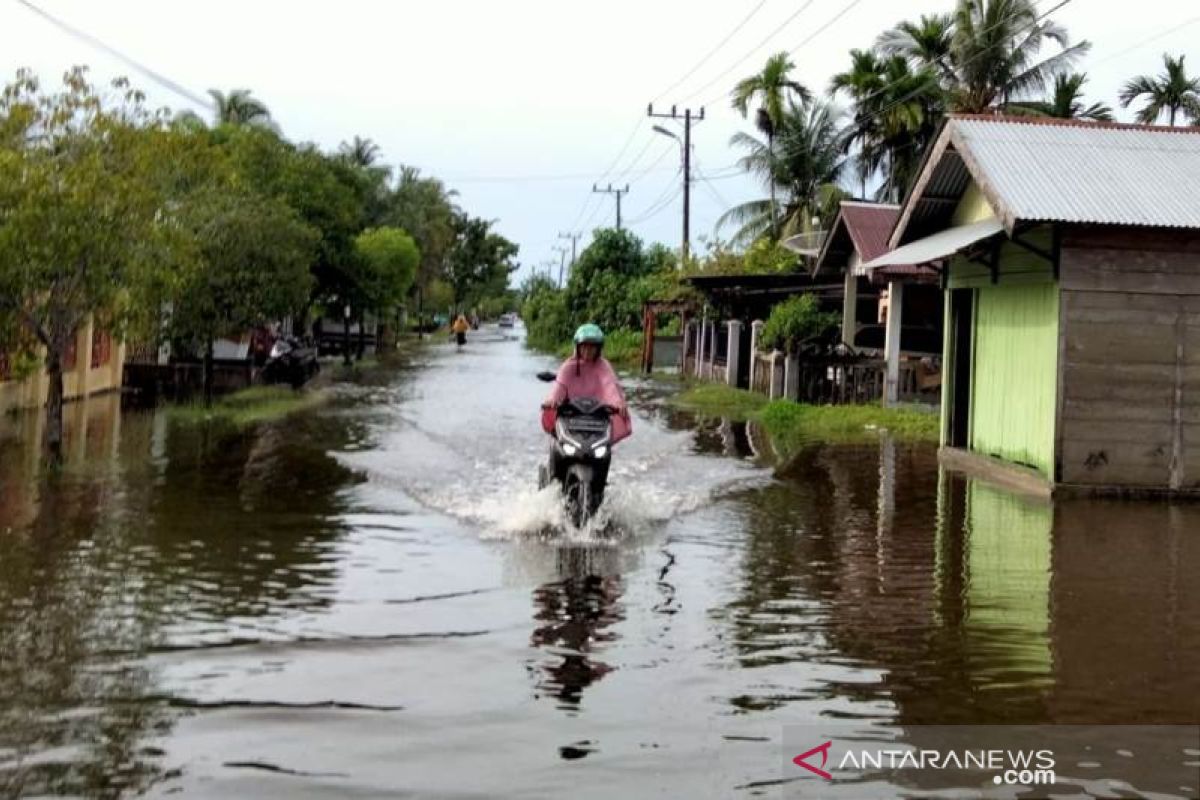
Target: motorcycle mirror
(546, 377)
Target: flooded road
(360, 601)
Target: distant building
(1069, 255)
(94, 363)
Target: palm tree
(360, 152)
(239, 107)
(1172, 91)
(925, 43)
(996, 51)
(805, 162)
(987, 53)
(896, 113)
(772, 87)
(1066, 102)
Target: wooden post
(891, 347)
(791, 376)
(703, 342)
(755, 334)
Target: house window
(101, 347)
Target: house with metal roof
(878, 314)
(1069, 257)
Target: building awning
(937, 246)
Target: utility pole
(574, 237)
(618, 192)
(689, 119)
(562, 262)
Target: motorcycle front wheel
(577, 486)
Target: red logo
(823, 749)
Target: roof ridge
(869, 204)
(1075, 123)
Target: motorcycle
(580, 453)
(290, 361)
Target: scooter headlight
(601, 451)
(569, 449)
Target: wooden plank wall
(1130, 412)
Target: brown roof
(870, 226)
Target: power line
(661, 202)
(1146, 41)
(157, 77)
(712, 52)
(751, 52)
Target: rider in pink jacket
(588, 374)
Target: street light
(686, 167)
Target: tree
(996, 53)
(987, 53)
(387, 266)
(239, 107)
(479, 261)
(774, 89)
(806, 169)
(1067, 102)
(83, 215)
(425, 208)
(1171, 92)
(252, 267)
(359, 151)
(896, 113)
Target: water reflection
(574, 616)
(149, 535)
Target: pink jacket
(578, 378)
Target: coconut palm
(1171, 92)
(239, 107)
(804, 163)
(924, 43)
(996, 53)
(988, 53)
(360, 152)
(1066, 102)
(774, 90)
(896, 112)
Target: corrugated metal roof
(939, 245)
(869, 225)
(1087, 173)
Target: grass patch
(792, 425)
(717, 400)
(248, 406)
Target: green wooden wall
(1015, 380)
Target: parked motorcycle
(291, 361)
(580, 453)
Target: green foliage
(251, 406)
(387, 266)
(792, 425)
(251, 265)
(480, 260)
(81, 196)
(767, 256)
(795, 321)
(547, 320)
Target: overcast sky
(520, 105)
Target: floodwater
(372, 600)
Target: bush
(794, 321)
(546, 318)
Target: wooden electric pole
(689, 119)
(574, 237)
(618, 192)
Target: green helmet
(589, 333)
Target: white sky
(471, 89)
